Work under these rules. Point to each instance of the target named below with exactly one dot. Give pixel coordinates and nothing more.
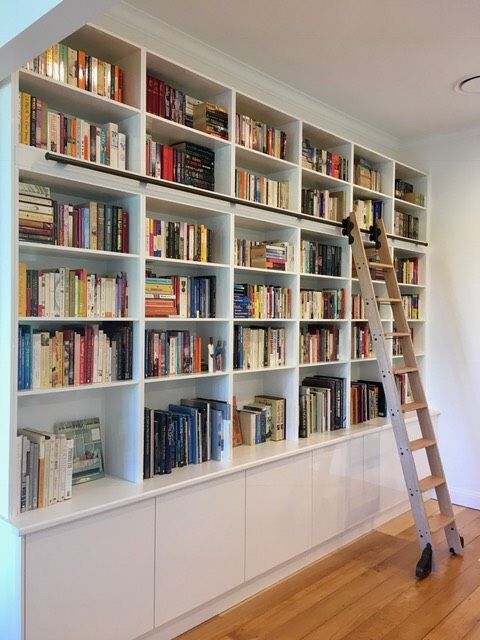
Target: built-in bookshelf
(160, 220)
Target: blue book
(192, 413)
(217, 445)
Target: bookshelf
(120, 404)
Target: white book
(18, 474)
(183, 298)
(56, 469)
(62, 469)
(51, 474)
(122, 151)
(35, 373)
(53, 132)
(69, 468)
(112, 144)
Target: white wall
(453, 333)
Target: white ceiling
(391, 63)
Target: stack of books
(181, 352)
(260, 137)
(320, 259)
(183, 296)
(373, 256)
(404, 191)
(72, 136)
(178, 240)
(257, 188)
(261, 301)
(410, 303)
(362, 346)
(211, 118)
(258, 347)
(275, 254)
(186, 163)
(263, 419)
(403, 387)
(74, 293)
(367, 401)
(190, 432)
(327, 304)
(323, 204)
(36, 219)
(74, 355)
(366, 176)
(406, 270)
(368, 212)
(358, 307)
(322, 161)
(322, 402)
(406, 225)
(76, 68)
(319, 344)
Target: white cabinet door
(279, 513)
(92, 578)
(200, 545)
(383, 472)
(338, 489)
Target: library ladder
(444, 519)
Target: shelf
(322, 364)
(264, 369)
(411, 286)
(263, 320)
(170, 132)
(80, 387)
(257, 161)
(185, 376)
(74, 101)
(369, 194)
(179, 319)
(187, 263)
(79, 320)
(415, 320)
(269, 271)
(319, 320)
(320, 276)
(366, 319)
(38, 248)
(369, 359)
(408, 207)
(315, 180)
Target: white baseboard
(465, 497)
(195, 617)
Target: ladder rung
(398, 371)
(413, 406)
(438, 521)
(430, 482)
(421, 443)
(395, 334)
(388, 300)
(380, 265)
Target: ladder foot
(462, 542)
(424, 565)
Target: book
(321, 259)
(86, 456)
(367, 401)
(366, 176)
(179, 240)
(261, 301)
(324, 304)
(260, 136)
(261, 189)
(324, 161)
(318, 203)
(319, 343)
(186, 297)
(322, 405)
(258, 347)
(237, 438)
(275, 254)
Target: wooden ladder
(444, 519)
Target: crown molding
(170, 42)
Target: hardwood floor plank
(460, 621)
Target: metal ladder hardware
(444, 519)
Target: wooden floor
(367, 591)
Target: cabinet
(92, 578)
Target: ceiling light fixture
(470, 84)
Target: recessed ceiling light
(470, 84)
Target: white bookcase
(120, 404)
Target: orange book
(81, 70)
(22, 289)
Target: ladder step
(430, 482)
(438, 521)
(388, 300)
(413, 406)
(421, 443)
(398, 371)
(380, 265)
(395, 334)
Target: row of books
(405, 191)
(168, 102)
(367, 401)
(260, 136)
(403, 388)
(368, 212)
(326, 162)
(74, 355)
(372, 256)
(261, 301)
(211, 118)
(186, 163)
(320, 259)
(362, 346)
(366, 176)
(410, 303)
(258, 347)
(262, 420)
(323, 204)
(92, 225)
(328, 304)
(71, 293)
(257, 188)
(190, 432)
(78, 69)
(183, 296)
(274, 254)
(319, 343)
(322, 401)
(406, 270)
(397, 343)
(358, 307)
(61, 133)
(178, 240)
(181, 352)
(406, 225)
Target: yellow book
(22, 289)
(49, 54)
(203, 243)
(25, 119)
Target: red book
(150, 94)
(125, 232)
(161, 99)
(88, 354)
(164, 162)
(120, 85)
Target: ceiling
(391, 63)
